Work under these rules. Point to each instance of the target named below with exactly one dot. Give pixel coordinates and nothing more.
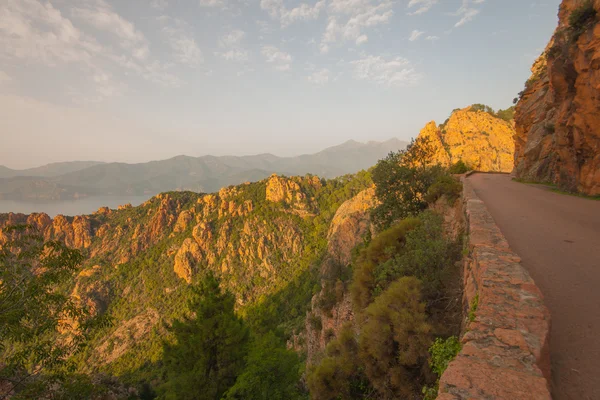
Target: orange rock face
(482, 141)
(558, 116)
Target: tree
(272, 372)
(209, 349)
(340, 375)
(401, 183)
(40, 325)
(395, 338)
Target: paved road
(558, 239)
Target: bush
(401, 183)
(581, 19)
(381, 249)
(549, 127)
(394, 339)
(458, 168)
(426, 254)
(506, 115)
(444, 185)
(442, 352)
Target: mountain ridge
(199, 174)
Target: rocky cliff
(257, 237)
(558, 115)
(479, 138)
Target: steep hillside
(201, 174)
(479, 138)
(264, 240)
(558, 114)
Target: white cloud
(159, 4)
(319, 77)
(466, 12)
(100, 15)
(397, 72)
(280, 59)
(232, 39)
(233, 42)
(178, 35)
(277, 10)
(39, 33)
(212, 3)
(422, 6)
(349, 18)
(432, 38)
(415, 35)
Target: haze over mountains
(59, 181)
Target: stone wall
(505, 353)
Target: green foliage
(315, 322)
(473, 308)
(272, 372)
(444, 185)
(507, 115)
(550, 127)
(401, 183)
(442, 352)
(209, 347)
(426, 254)
(34, 308)
(582, 18)
(340, 375)
(458, 168)
(380, 250)
(483, 108)
(394, 339)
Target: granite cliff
(479, 138)
(558, 114)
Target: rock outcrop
(558, 115)
(481, 140)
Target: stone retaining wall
(505, 353)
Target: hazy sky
(136, 80)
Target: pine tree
(209, 349)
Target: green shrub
(394, 339)
(473, 309)
(506, 115)
(442, 352)
(315, 322)
(550, 127)
(444, 185)
(581, 19)
(458, 168)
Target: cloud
(100, 15)
(178, 34)
(159, 4)
(212, 3)
(396, 72)
(281, 60)
(232, 39)
(319, 78)
(422, 6)
(432, 38)
(36, 32)
(277, 10)
(233, 42)
(466, 12)
(415, 35)
(349, 18)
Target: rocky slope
(481, 140)
(257, 237)
(558, 115)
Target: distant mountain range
(69, 180)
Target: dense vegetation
(404, 291)
(225, 334)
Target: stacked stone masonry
(505, 347)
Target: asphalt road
(558, 239)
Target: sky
(140, 80)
